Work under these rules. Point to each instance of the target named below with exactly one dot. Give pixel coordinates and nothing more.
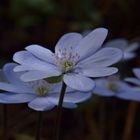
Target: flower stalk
(39, 125)
(59, 111)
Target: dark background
(25, 22)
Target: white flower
(76, 57)
(127, 48)
(40, 95)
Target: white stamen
(41, 87)
(66, 60)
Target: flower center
(66, 65)
(42, 91)
(113, 87)
(40, 87)
(66, 59)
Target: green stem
(59, 111)
(39, 125)
(5, 121)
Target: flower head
(76, 58)
(135, 81)
(113, 86)
(127, 48)
(39, 94)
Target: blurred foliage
(27, 13)
(24, 22)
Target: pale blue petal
(136, 71)
(1, 98)
(77, 97)
(79, 82)
(55, 99)
(56, 88)
(69, 105)
(118, 43)
(70, 89)
(27, 59)
(91, 43)
(133, 80)
(67, 42)
(98, 72)
(122, 86)
(41, 52)
(101, 83)
(41, 104)
(132, 47)
(11, 76)
(102, 87)
(20, 68)
(14, 77)
(72, 97)
(2, 76)
(103, 92)
(38, 75)
(15, 98)
(130, 95)
(102, 58)
(129, 55)
(13, 88)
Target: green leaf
(55, 79)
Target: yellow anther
(66, 65)
(42, 91)
(113, 87)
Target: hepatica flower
(76, 58)
(111, 86)
(135, 95)
(128, 48)
(39, 95)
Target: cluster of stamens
(66, 59)
(112, 86)
(42, 91)
(40, 87)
